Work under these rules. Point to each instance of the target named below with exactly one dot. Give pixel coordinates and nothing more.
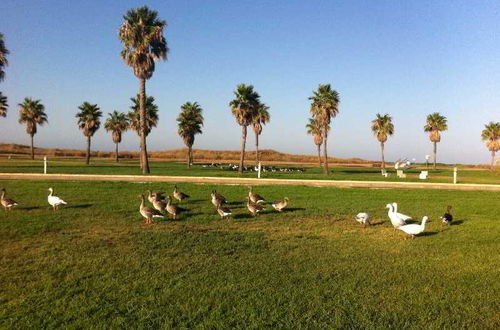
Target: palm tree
(117, 124)
(244, 107)
(143, 44)
(491, 134)
(3, 105)
(89, 121)
(314, 129)
(324, 107)
(3, 57)
(261, 118)
(32, 113)
(436, 123)
(382, 128)
(189, 124)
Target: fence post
(44, 164)
(455, 175)
(258, 173)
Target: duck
(447, 218)
(395, 220)
(414, 229)
(148, 212)
(402, 216)
(224, 211)
(54, 201)
(217, 199)
(280, 205)
(7, 203)
(152, 196)
(173, 209)
(254, 208)
(363, 218)
(179, 195)
(255, 198)
(159, 205)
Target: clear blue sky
(406, 58)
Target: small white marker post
(455, 175)
(258, 172)
(45, 165)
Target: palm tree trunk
(382, 150)
(492, 160)
(188, 158)
(326, 170)
(142, 115)
(243, 141)
(32, 148)
(319, 155)
(116, 152)
(88, 150)
(435, 153)
(190, 155)
(257, 149)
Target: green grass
(65, 166)
(94, 264)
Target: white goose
(402, 216)
(395, 220)
(414, 229)
(363, 218)
(54, 201)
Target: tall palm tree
(314, 129)
(324, 107)
(143, 43)
(261, 118)
(243, 108)
(117, 124)
(382, 128)
(150, 120)
(32, 113)
(491, 134)
(189, 123)
(3, 105)
(3, 57)
(435, 124)
(89, 121)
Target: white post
(258, 173)
(45, 165)
(455, 172)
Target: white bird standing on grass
(363, 218)
(400, 215)
(395, 220)
(414, 229)
(54, 201)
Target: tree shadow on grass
(79, 206)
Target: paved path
(252, 181)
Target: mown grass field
(94, 264)
(65, 166)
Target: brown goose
(6, 202)
(173, 209)
(155, 196)
(254, 208)
(179, 195)
(223, 211)
(159, 205)
(280, 205)
(255, 198)
(217, 199)
(148, 212)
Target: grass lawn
(94, 264)
(442, 174)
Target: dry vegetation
(200, 155)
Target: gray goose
(254, 208)
(6, 202)
(159, 205)
(255, 198)
(217, 199)
(223, 211)
(152, 196)
(173, 209)
(148, 212)
(280, 205)
(179, 195)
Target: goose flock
(163, 205)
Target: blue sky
(405, 58)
